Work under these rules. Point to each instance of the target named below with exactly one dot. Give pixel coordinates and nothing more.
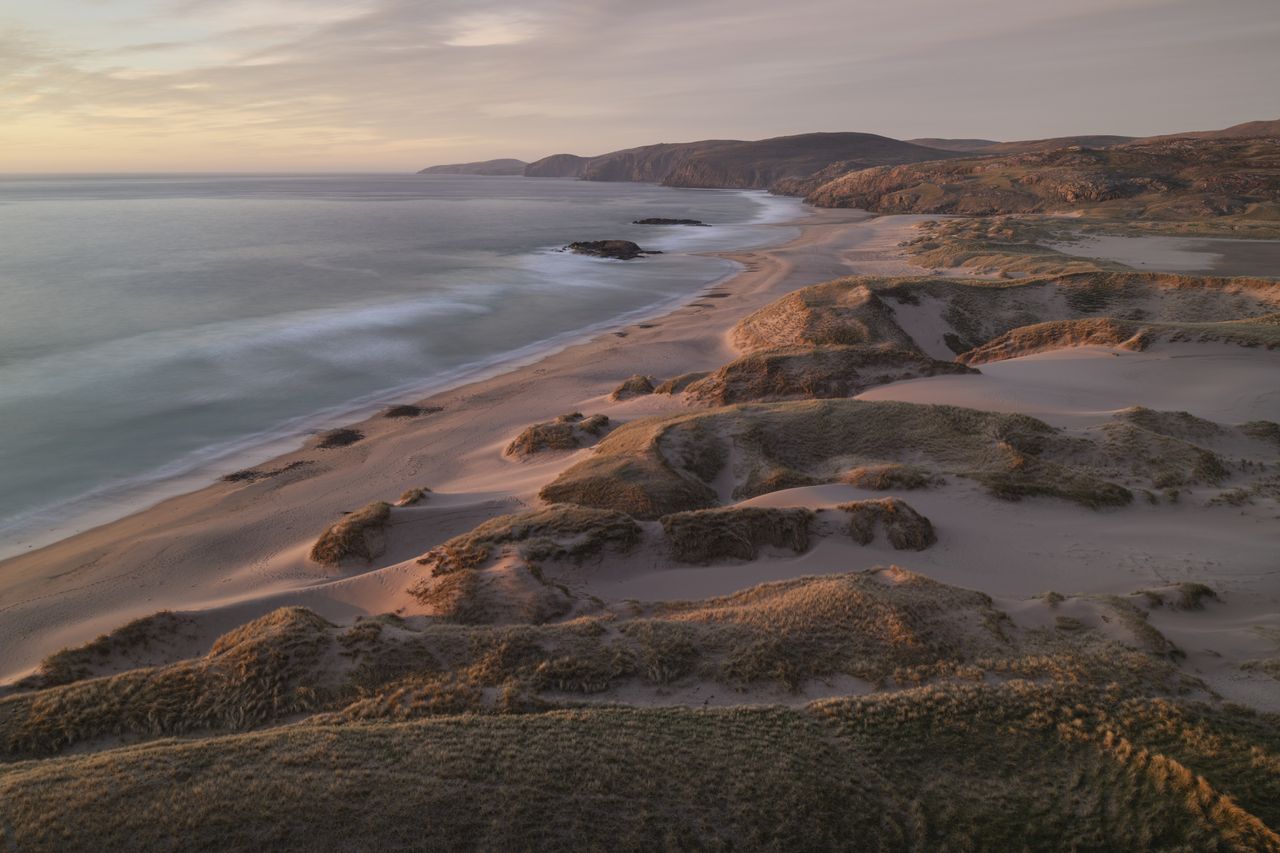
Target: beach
(244, 545)
(232, 551)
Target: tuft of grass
(567, 432)
(906, 529)
(633, 386)
(1187, 595)
(414, 496)
(1264, 430)
(702, 536)
(678, 384)
(359, 535)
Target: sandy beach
(234, 551)
(246, 544)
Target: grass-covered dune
(887, 628)
(815, 372)
(655, 467)
(1019, 766)
(870, 311)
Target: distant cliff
(556, 166)
(505, 166)
(1173, 178)
(735, 164)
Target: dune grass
(958, 766)
(891, 476)
(567, 432)
(886, 627)
(108, 651)
(359, 535)
(652, 468)
(633, 386)
(702, 536)
(554, 533)
(813, 373)
(906, 529)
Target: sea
(159, 331)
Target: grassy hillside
(1015, 767)
(1170, 180)
(734, 163)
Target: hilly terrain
(736, 164)
(989, 146)
(1179, 178)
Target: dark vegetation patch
(339, 438)
(555, 533)
(702, 536)
(253, 475)
(906, 529)
(407, 411)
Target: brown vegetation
(1059, 334)
(906, 529)
(702, 536)
(555, 533)
(652, 468)
(1175, 179)
(888, 476)
(633, 386)
(359, 535)
(567, 432)
(815, 373)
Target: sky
(395, 85)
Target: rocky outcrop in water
(622, 250)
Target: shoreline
(227, 543)
(40, 527)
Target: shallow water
(1209, 255)
(162, 327)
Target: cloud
(329, 84)
(487, 29)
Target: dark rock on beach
(658, 220)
